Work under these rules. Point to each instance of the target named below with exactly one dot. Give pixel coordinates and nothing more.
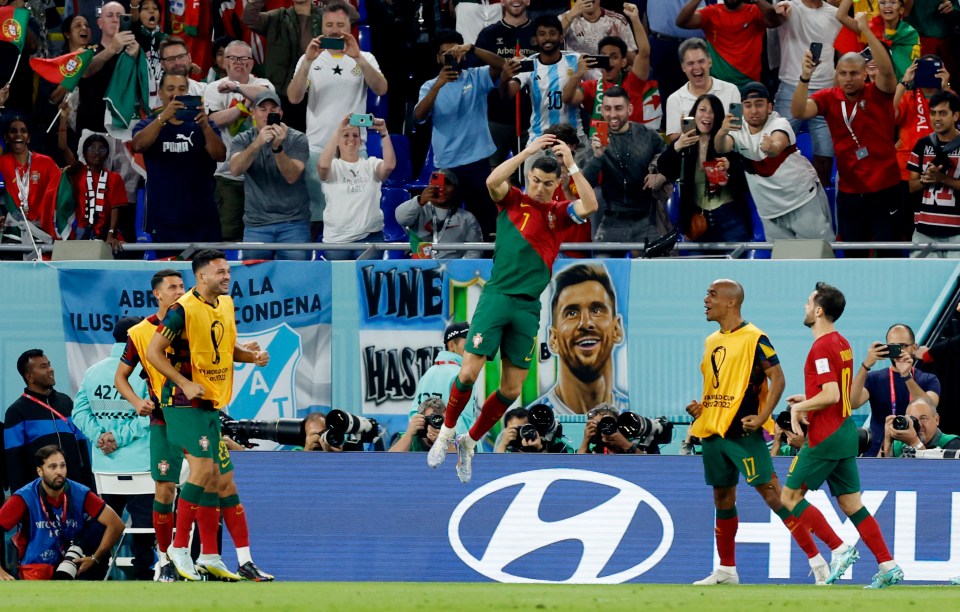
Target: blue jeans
(350, 255)
(288, 231)
(817, 126)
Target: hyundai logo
(521, 531)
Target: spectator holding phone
(790, 201)
(333, 76)
(644, 92)
(934, 167)
(181, 149)
(436, 216)
(809, 24)
(889, 390)
(924, 78)
(587, 23)
(352, 185)
(713, 206)
(696, 65)
(457, 101)
(871, 203)
(624, 155)
(271, 157)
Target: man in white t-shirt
(808, 21)
(790, 200)
(334, 83)
(227, 102)
(553, 83)
(175, 58)
(695, 62)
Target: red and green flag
(13, 25)
(418, 248)
(65, 70)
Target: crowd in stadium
(272, 122)
(263, 123)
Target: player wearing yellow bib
(202, 332)
(165, 458)
(738, 363)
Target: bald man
(742, 383)
(871, 199)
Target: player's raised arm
(498, 183)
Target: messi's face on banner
(585, 329)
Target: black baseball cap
(455, 330)
(753, 89)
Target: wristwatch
(278, 150)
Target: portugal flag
(65, 70)
(13, 25)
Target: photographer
(602, 434)
(423, 428)
(532, 430)
(918, 429)
(436, 217)
(55, 517)
(889, 390)
(313, 427)
(785, 442)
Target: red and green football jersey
(830, 360)
(528, 241)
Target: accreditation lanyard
(47, 406)
(893, 391)
(53, 520)
(848, 120)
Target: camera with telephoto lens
(541, 416)
(67, 570)
(607, 426)
(783, 420)
(434, 420)
(351, 432)
(643, 431)
(900, 423)
(288, 432)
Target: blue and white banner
(284, 306)
(566, 519)
(581, 347)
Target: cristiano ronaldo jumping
(507, 318)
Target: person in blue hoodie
(121, 440)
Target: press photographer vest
(727, 364)
(211, 332)
(140, 334)
(43, 549)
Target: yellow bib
(726, 367)
(211, 332)
(140, 334)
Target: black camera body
(900, 423)
(640, 430)
(542, 418)
(434, 420)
